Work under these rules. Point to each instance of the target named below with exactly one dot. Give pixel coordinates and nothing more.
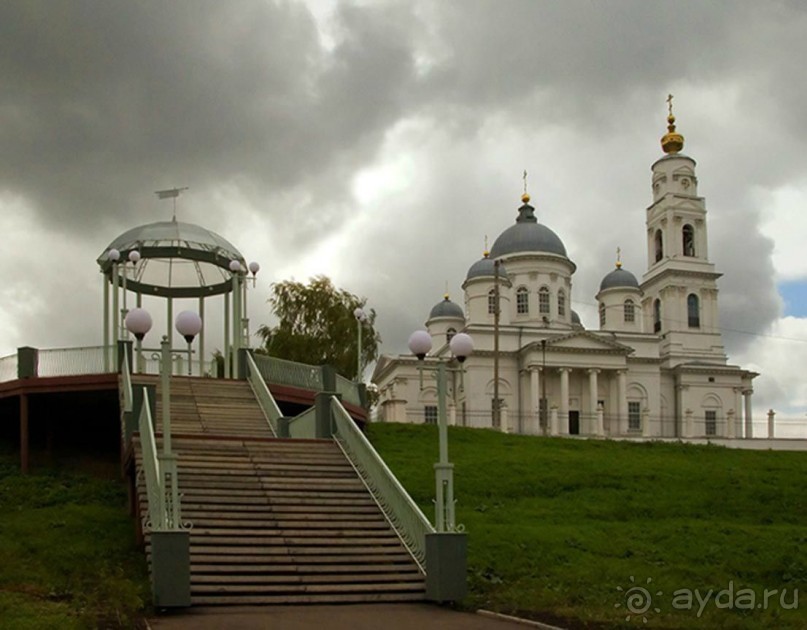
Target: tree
(316, 325)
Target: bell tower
(680, 284)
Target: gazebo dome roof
(176, 260)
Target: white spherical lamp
(461, 346)
(235, 266)
(359, 314)
(113, 255)
(138, 322)
(134, 256)
(188, 324)
(420, 342)
(254, 267)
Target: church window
(659, 245)
(688, 234)
(543, 301)
(602, 314)
(430, 414)
(693, 311)
(630, 312)
(492, 301)
(634, 415)
(657, 315)
(450, 333)
(711, 422)
(522, 301)
(561, 303)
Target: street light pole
(461, 346)
(361, 317)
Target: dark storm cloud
(102, 101)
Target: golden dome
(671, 142)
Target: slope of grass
(67, 553)
(557, 526)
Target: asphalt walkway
(345, 617)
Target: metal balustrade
(304, 426)
(402, 512)
(284, 372)
(8, 368)
(74, 361)
(348, 389)
(156, 517)
(265, 399)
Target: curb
(523, 622)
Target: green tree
(316, 325)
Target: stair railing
(151, 469)
(265, 399)
(401, 511)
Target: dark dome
(527, 235)
(576, 318)
(447, 308)
(485, 267)
(619, 278)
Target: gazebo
(173, 260)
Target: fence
(282, 372)
(399, 508)
(8, 368)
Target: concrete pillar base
(446, 567)
(170, 569)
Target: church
(655, 367)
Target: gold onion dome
(671, 142)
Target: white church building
(655, 367)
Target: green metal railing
(284, 372)
(75, 361)
(151, 470)
(126, 382)
(348, 389)
(8, 368)
(304, 425)
(265, 399)
(401, 511)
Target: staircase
(275, 521)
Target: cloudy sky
(379, 142)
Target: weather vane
(171, 193)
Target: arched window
(543, 300)
(688, 234)
(602, 314)
(659, 245)
(630, 311)
(450, 333)
(561, 303)
(657, 315)
(693, 311)
(522, 301)
(492, 301)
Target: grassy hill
(67, 552)
(557, 526)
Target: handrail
(126, 379)
(304, 425)
(283, 372)
(401, 511)
(265, 399)
(348, 389)
(151, 469)
(8, 368)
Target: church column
(738, 412)
(749, 422)
(592, 399)
(535, 398)
(563, 419)
(622, 401)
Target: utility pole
(497, 414)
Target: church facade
(655, 367)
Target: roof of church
(527, 235)
(619, 278)
(485, 267)
(447, 308)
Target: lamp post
(361, 317)
(461, 346)
(138, 322)
(113, 256)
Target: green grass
(67, 552)
(557, 525)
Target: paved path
(346, 617)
